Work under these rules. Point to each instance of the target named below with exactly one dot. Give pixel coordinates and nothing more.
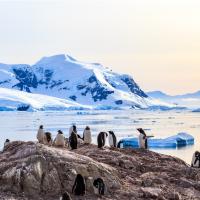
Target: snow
(191, 101)
(10, 100)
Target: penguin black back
(99, 184)
(101, 139)
(114, 138)
(79, 185)
(48, 136)
(73, 140)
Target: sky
(155, 41)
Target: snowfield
(12, 100)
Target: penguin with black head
(73, 140)
(99, 185)
(40, 134)
(101, 139)
(60, 139)
(112, 139)
(142, 139)
(79, 185)
(196, 160)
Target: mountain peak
(52, 59)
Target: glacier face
(89, 84)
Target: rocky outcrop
(35, 171)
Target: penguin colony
(74, 139)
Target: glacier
(68, 83)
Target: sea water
(23, 125)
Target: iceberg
(175, 141)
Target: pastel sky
(156, 41)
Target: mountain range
(190, 100)
(88, 85)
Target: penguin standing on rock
(73, 140)
(196, 160)
(40, 134)
(101, 139)
(142, 139)
(79, 185)
(6, 143)
(112, 139)
(99, 184)
(60, 139)
(87, 136)
(48, 138)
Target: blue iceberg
(176, 141)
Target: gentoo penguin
(73, 140)
(112, 139)
(99, 184)
(65, 196)
(6, 143)
(74, 129)
(60, 139)
(87, 136)
(40, 134)
(79, 185)
(47, 138)
(142, 139)
(196, 160)
(71, 129)
(101, 139)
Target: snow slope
(64, 77)
(15, 100)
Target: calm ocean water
(24, 125)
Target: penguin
(47, 138)
(99, 184)
(60, 139)
(87, 136)
(112, 139)
(71, 129)
(40, 134)
(6, 143)
(79, 185)
(74, 129)
(73, 140)
(66, 196)
(101, 139)
(196, 160)
(142, 139)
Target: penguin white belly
(60, 140)
(111, 142)
(141, 141)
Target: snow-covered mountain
(190, 100)
(89, 84)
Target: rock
(174, 196)
(30, 170)
(150, 192)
